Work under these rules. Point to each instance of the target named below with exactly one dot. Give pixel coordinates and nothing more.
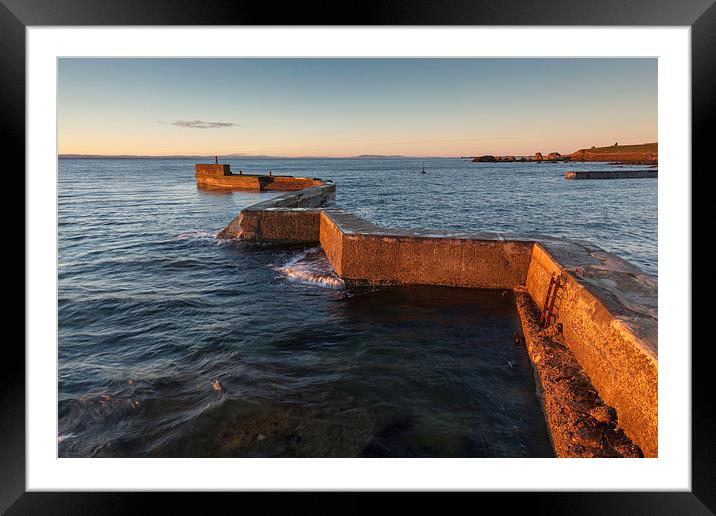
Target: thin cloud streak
(202, 124)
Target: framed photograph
(427, 251)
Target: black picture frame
(17, 15)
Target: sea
(173, 343)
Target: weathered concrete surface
(290, 184)
(220, 176)
(580, 424)
(286, 218)
(611, 174)
(312, 197)
(365, 253)
(608, 312)
(276, 225)
(211, 169)
(241, 182)
(331, 238)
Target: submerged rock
(217, 386)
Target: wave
(312, 267)
(64, 437)
(202, 237)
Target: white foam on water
(64, 437)
(196, 234)
(204, 237)
(311, 267)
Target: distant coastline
(236, 156)
(644, 153)
(168, 156)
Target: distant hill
(642, 147)
(643, 153)
(647, 153)
(379, 156)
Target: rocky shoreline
(643, 154)
(580, 423)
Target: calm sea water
(153, 310)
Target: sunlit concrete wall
(365, 253)
(608, 313)
(292, 217)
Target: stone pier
(221, 176)
(606, 314)
(611, 174)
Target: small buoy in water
(217, 386)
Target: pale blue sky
(345, 107)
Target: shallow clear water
(153, 309)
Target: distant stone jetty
(589, 318)
(220, 176)
(611, 174)
(647, 153)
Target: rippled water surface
(172, 343)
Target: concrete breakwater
(611, 174)
(292, 217)
(221, 176)
(595, 362)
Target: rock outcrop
(647, 153)
(485, 159)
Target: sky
(349, 107)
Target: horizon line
(76, 155)
(246, 156)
